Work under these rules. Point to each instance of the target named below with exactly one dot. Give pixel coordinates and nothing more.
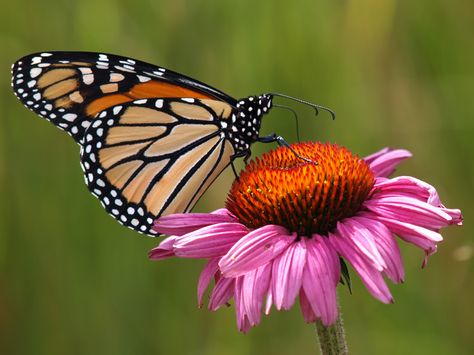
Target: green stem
(332, 339)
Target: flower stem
(332, 339)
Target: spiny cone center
(283, 189)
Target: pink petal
(370, 158)
(241, 315)
(387, 246)
(207, 274)
(408, 229)
(287, 274)
(254, 286)
(456, 215)
(371, 277)
(164, 250)
(222, 293)
(255, 249)
(421, 237)
(269, 301)
(407, 186)
(182, 223)
(397, 188)
(210, 241)
(384, 162)
(411, 187)
(409, 210)
(320, 277)
(306, 308)
(362, 240)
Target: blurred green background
(400, 74)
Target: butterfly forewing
(71, 88)
(152, 157)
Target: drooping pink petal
(306, 308)
(210, 241)
(320, 277)
(164, 250)
(371, 277)
(414, 188)
(362, 240)
(370, 158)
(421, 237)
(409, 210)
(456, 215)
(254, 286)
(207, 274)
(222, 293)
(287, 274)
(406, 186)
(269, 301)
(182, 223)
(387, 246)
(384, 162)
(255, 249)
(241, 314)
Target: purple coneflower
(288, 222)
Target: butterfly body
(151, 140)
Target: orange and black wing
(152, 157)
(69, 89)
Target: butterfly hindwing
(71, 88)
(152, 157)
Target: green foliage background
(398, 73)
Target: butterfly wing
(152, 157)
(69, 89)
(151, 139)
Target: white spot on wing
(143, 79)
(36, 60)
(117, 109)
(86, 70)
(88, 79)
(34, 72)
(70, 117)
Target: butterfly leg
(282, 143)
(245, 154)
(247, 157)
(235, 171)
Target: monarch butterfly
(151, 140)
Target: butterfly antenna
(296, 118)
(314, 106)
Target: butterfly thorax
(246, 120)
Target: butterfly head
(246, 120)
